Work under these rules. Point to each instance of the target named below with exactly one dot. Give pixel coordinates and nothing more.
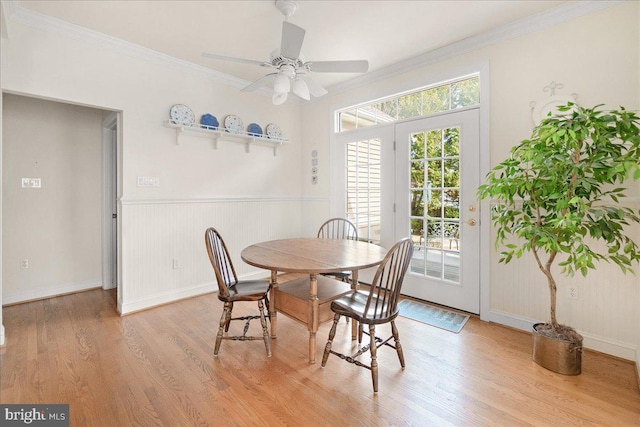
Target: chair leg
(345, 279)
(396, 338)
(265, 331)
(360, 333)
(267, 304)
(374, 360)
(332, 334)
(224, 325)
(226, 328)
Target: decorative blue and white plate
(182, 115)
(233, 124)
(208, 121)
(254, 129)
(274, 131)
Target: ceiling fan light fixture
(281, 84)
(279, 98)
(300, 88)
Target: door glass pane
(364, 188)
(417, 174)
(435, 203)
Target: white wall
(49, 60)
(595, 56)
(55, 227)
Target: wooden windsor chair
(230, 291)
(376, 306)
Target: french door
(436, 177)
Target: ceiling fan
(291, 69)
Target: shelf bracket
(179, 131)
(249, 142)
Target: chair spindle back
(220, 260)
(385, 288)
(338, 228)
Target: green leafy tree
(559, 190)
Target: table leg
(272, 304)
(313, 316)
(354, 286)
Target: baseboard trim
(130, 307)
(2, 340)
(615, 348)
(49, 292)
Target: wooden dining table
(308, 299)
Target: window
(363, 188)
(459, 93)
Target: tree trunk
(546, 269)
(553, 290)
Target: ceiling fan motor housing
(287, 7)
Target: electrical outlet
(148, 181)
(24, 263)
(572, 292)
(176, 264)
(31, 183)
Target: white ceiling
(383, 32)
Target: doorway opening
(56, 180)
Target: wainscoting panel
(163, 249)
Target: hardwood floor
(157, 367)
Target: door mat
(431, 315)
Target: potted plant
(556, 196)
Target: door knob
(471, 222)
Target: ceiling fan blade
(234, 59)
(356, 66)
(262, 81)
(292, 38)
(315, 88)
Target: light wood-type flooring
(157, 367)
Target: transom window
(459, 93)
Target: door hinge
(394, 145)
(394, 208)
(114, 216)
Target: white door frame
(486, 247)
(110, 185)
(464, 295)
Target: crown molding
(575, 9)
(7, 8)
(567, 12)
(47, 23)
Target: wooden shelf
(292, 298)
(218, 133)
